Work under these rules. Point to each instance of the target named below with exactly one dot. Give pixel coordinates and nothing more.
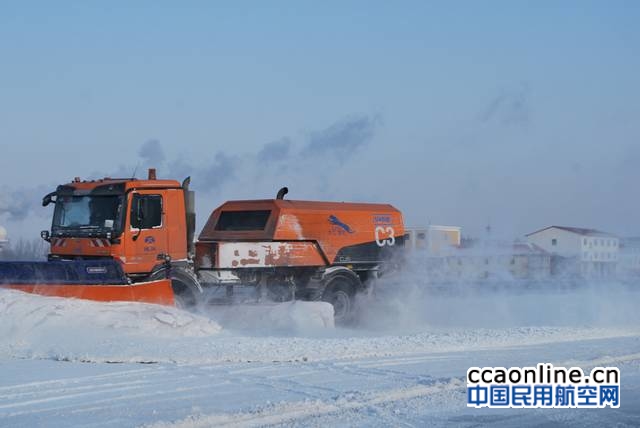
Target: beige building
(415, 238)
(437, 240)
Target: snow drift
(25, 314)
(53, 327)
(296, 317)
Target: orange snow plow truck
(133, 240)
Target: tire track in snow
(60, 397)
(165, 383)
(78, 379)
(92, 393)
(104, 387)
(296, 411)
(602, 361)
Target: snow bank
(29, 322)
(23, 314)
(290, 317)
(33, 326)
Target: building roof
(502, 248)
(576, 230)
(445, 228)
(526, 248)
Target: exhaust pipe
(190, 211)
(282, 192)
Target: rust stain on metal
(245, 262)
(279, 258)
(253, 253)
(236, 252)
(234, 263)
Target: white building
(4, 242)
(588, 252)
(499, 261)
(629, 257)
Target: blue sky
(521, 114)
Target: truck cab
(139, 223)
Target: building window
(554, 242)
(584, 241)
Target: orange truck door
(148, 230)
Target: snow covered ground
(78, 363)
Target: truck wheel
(340, 291)
(183, 296)
(185, 289)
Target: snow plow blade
(101, 280)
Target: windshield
(88, 212)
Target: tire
(183, 295)
(340, 291)
(185, 287)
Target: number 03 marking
(390, 240)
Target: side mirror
(45, 235)
(48, 199)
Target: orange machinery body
(139, 250)
(146, 227)
(289, 233)
(158, 292)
